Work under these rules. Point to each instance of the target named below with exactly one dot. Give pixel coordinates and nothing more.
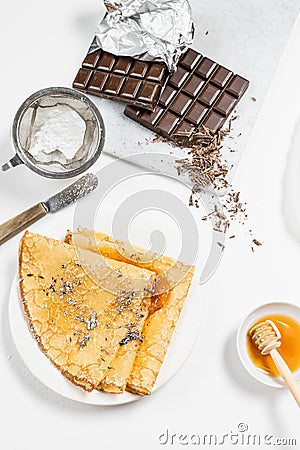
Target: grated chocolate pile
(205, 168)
(204, 165)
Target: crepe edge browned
(82, 382)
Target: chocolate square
(200, 92)
(121, 78)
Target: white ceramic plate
(181, 345)
(287, 309)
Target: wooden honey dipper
(266, 337)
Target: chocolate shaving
(131, 336)
(221, 245)
(256, 242)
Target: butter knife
(70, 194)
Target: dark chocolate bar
(200, 92)
(121, 78)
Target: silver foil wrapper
(150, 30)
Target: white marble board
(247, 36)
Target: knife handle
(20, 222)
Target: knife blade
(70, 194)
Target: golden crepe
(157, 334)
(77, 323)
(136, 366)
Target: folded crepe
(136, 367)
(78, 324)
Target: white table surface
(211, 393)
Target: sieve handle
(13, 162)
(13, 226)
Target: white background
(212, 393)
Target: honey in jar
(289, 349)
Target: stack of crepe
(109, 331)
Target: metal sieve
(44, 106)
